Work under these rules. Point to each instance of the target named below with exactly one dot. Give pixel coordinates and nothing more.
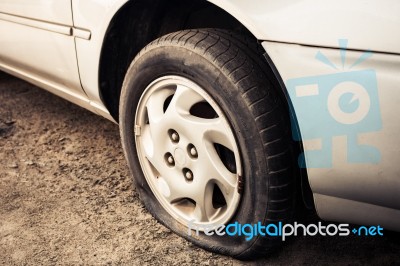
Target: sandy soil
(66, 197)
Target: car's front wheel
(207, 139)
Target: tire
(224, 72)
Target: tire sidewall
(176, 60)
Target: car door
(37, 44)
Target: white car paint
(96, 16)
(321, 22)
(37, 45)
(371, 186)
(58, 11)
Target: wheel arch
(136, 23)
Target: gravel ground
(66, 197)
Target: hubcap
(188, 152)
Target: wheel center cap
(180, 157)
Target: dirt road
(66, 197)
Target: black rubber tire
(232, 71)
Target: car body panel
(37, 44)
(320, 23)
(58, 11)
(356, 212)
(366, 181)
(96, 16)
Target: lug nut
(188, 174)
(174, 135)
(169, 159)
(192, 151)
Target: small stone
(13, 165)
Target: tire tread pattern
(241, 61)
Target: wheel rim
(188, 152)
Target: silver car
(231, 112)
